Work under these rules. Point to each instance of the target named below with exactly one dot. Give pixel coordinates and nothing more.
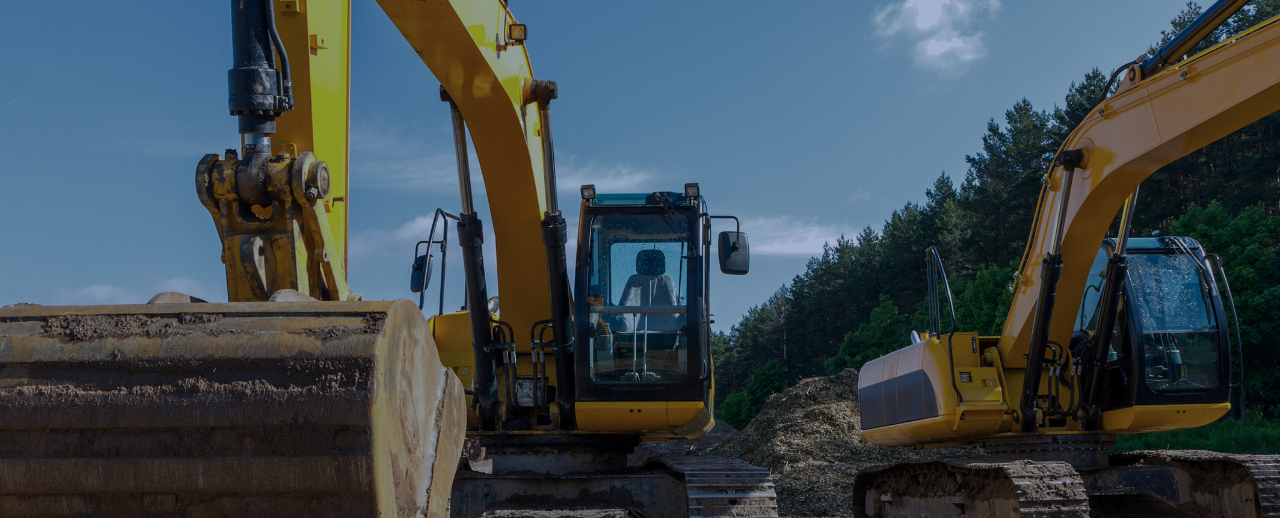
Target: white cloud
(570, 176)
(942, 30)
(384, 157)
(112, 294)
(96, 294)
(608, 178)
(787, 234)
(375, 242)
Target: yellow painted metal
(943, 429)
(672, 419)
(300, 243)
(287, 245)
(984, 405)
(452, 335)
(317, 36)
(1125, 139)
(990, 394)
(464, 44)
(1151, 418)
(681, 413)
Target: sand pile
(809, 437)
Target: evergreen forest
(862, 296)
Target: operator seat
(651, 286)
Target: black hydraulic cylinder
(554, 237)
(253, 83)
(1200, 28)
(471, 240)
(1050, 273)
(1117, 271)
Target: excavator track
(724, 486)
(971, 487)
(1136, 484)
(233, 409)
(1211, 484)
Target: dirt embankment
(809, 436)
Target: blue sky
(808, 120)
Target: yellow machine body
(906, 397)
(489, 77)
(655, 420)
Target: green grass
(1225, 435)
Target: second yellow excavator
(1104, 337)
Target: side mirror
(735, 255)
(421, 273)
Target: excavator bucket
(231, 409)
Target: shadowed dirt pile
(809, 436)
(649, 449)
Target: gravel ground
(809, 436)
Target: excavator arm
(283, 222)
(280, 202)
(476, 50)
(1127, 137)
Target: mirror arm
(431, 240)
(737, 228)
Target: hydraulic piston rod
(1051, 273)
(471, 240)
(554, 237)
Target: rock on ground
(809, 436)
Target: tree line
(862, 296)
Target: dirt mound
(809, 436)
(649, 449)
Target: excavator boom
(1124, 140)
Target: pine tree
(1001, 187)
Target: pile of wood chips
(809, 436)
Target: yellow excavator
(1104, 337)
(298, 398)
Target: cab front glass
(1174, 308)
(637, 306)
(1169, 304)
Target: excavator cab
(642, 326)
(1170, 343)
